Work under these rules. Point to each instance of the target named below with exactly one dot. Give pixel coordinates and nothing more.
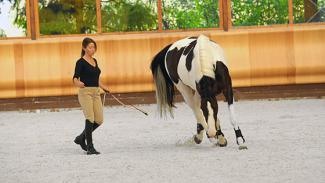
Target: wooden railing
(44, 67)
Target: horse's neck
(205, 55)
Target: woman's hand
(102, 86)
(81, 84)
(106, 90)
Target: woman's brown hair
(85, 43)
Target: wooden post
(99, 16)
(36, 18)
(28, 18)
(159, 8)
(290, 7)
(221, 14)
(226, 14)
(32, 19)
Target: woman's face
(90, 49)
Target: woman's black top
(87, 73)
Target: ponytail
(82, 52)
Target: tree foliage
(308, 11)
(20, 20)
(79, 16)
(2, 33)
(126, 15)
(257, 12)
(67, 16)
(184, 14)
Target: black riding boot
(89, 138)
(80, 139)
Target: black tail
(164, 85)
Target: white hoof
(242, 147)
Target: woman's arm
(78, 83)
(76, 75)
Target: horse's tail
(164, 85)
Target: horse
(197, 67)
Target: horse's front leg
(239, 136)
(222, 72)
(209, 108)
(222, 141)
(201, 123)
(228, 93)
(192, 99)
(219, 136)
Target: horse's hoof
(223, 143)
(241, 147)
(197, 140)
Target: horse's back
(182, 43)
(194, 57)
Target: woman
(86, 77)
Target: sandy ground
(285, 142)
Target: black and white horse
(197, 67)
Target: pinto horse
(197, 67)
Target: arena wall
(276, 56)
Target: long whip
(125, 104)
